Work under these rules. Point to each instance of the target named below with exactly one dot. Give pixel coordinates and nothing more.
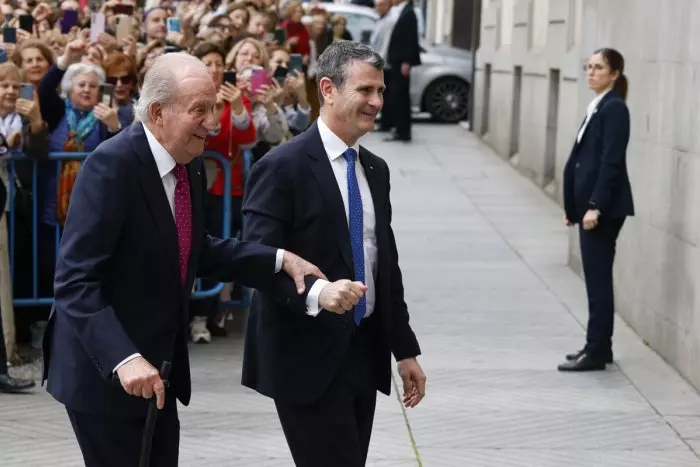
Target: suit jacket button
(578, 164)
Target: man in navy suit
(133, 243)
(326, 198)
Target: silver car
(440, 86)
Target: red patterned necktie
(183, 217)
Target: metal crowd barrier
(35, 299)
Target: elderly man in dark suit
(133, 243)
(326, 198)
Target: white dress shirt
(165, 164)
(590, 111)
(335, 148)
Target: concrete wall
(657, 267)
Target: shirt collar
(164, 161)
(596, 100)
(334, 146)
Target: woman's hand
(74, 52)
(297, 85)
(266, 96)
(108, 116)
(294, 40)
(22, 35)
(231, 94)
(29, 110)
(590, 220)
(175, 38)
(129, 46)
(278, 92)
(14, 140)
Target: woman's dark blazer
(595, 176)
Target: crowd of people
(70, 78)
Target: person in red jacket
(234, 133)
(298, 38)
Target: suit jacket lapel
(375, 182)
(157, 201)
(602, 102)
(323, 172)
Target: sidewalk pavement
(495, 308)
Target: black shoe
(396, 138)
(217, 331)
(9, 384)
(583, 363)
(574, 356)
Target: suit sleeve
(616, 134)
(404, 343)
(231, 260)
(97, 211)
(410, 48)
(267, 217)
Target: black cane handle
(145, 457)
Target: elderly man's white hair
(162, 81)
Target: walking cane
(145, 459)
(147, 440)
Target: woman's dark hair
(616, 62)
(206, 48)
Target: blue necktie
(356, 226)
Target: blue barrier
(36, 299)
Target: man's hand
(298, 268)
(567, 222)
(590, 220)
(413, 382)
(340, 296)
(139, 378)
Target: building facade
(530, 98)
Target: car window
(359, 23)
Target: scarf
(79, 128)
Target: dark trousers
(386, 120)
(597, 256)
(335, 430)
(214, 224)
(401, 102)
(116, 442)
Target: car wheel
(447, 99)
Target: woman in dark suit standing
(598, 197)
